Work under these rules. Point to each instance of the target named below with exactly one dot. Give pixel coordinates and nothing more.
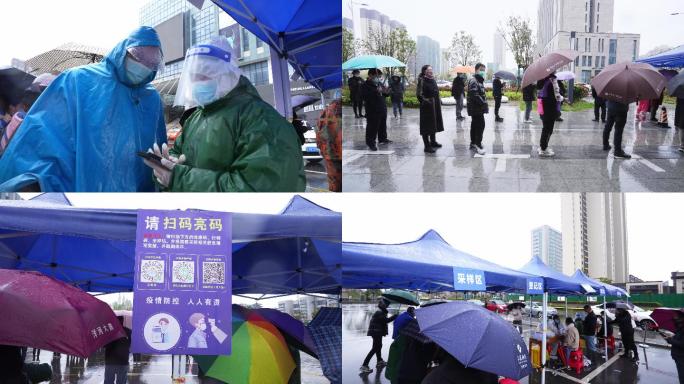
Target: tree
(605, 280)
(517, 33)
(395, 43)
(349, 44)
(464, 50)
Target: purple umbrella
(668, 73)
(628, 82)
(294, 331)
(41, 312)
(476, 337)
(546, 65)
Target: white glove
(164, 171)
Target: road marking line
(648, 163)
(601, 368)
(502, 156)
(566, 376)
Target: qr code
(152, 271)
(214, 272)
(183, 271)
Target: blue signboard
(466, 279)
(535, 286)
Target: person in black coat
(551, 111)
(529, 96)
(599, 106)
(452, 371)
(677, 343)
(617, 115)
(458, 92)
(431, 122)
(374, 93)
(561, 88)
(354, 83)
(497, 92)
(477, 107)
(397, 95)
(589, 329)
(377, 329)
(624, 321)
(12, 365)
(655, 104)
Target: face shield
(209, 73)
(149, 56)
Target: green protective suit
(238, 143)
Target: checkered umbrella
(412, 330)
(326, 330)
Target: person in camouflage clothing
(329, 141)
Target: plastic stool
(576, 360)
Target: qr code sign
(183, 271)
(213, 272)
(152, 271)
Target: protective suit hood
(142, 36)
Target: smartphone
(150, 156)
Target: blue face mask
(204, 92)
(136, 72)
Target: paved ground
(152, 370)
(511, 163)
(316, 176)
(615, 370)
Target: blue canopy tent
(422, 265)
(296, 251)
(609, 290)
(555, 282)
(307, 34)
(674, 58)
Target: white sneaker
(547, 153)
(527, 121)
(479, 150)
(365, 369)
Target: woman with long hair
(430, 109)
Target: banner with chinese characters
(466, 279)
(182, 284)
(535, 286)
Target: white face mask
(136, 72)
(204, 92)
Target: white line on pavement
(648, 163)
(500, 165)
(502, 156)
(601, 368)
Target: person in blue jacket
(83, 132)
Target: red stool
(561, 355)
(576, 360)
(507, 381)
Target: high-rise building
(595, 235)
(499, 51)
(547, 244)
(427, 52)
(371, 21)
(585, 26)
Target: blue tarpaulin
(308, 33)
(326, 330)
(609, 290)
(297, 251)
(674, 58)
(426, 264)
(556, 282)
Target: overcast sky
(30, 27)
(496, 227)
(440, 19)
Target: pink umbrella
(41, 312)
(665, 318)
(546, 65)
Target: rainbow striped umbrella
(259, 353)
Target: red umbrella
(41, 312)
(628, 82)
(547, 64)
(665, 317)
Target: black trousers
(357, 105)
(375, 350)
(376, 128)
(654, 110)
(477, 126)
(602, 109)
(619, 120)
(429, 139)
(547, 131)
(497, 106)
(630, 345)
(679, 363)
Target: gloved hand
(164, 171)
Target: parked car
(537, 310)
(642, 318)
(477, 302)
(310, 150)
(497, 306)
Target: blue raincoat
(83, 132)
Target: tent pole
(566, 307)
(544, 325)
(605, 328)
(530, 317)
(281, 82)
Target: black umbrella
(676, 85)
(516, 304)
(13, 84)
(433, 302)
(401, 297)
(505, 75)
